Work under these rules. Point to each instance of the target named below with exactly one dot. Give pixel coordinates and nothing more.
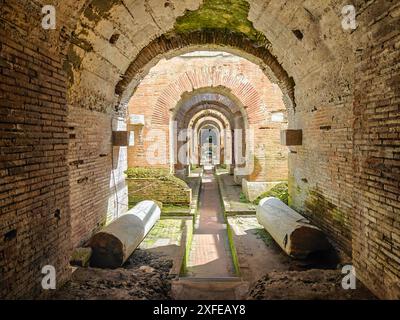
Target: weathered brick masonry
(55, 154)
(34, 203)
(376, 211)
(60, 89)
(96, 172)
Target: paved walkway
(210, 255)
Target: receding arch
(212, 106)
(217, 40)
(169, 103)
(217, 128)
(207, 114)
(202, 100)
(234, 108)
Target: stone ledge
(253, 189)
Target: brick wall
(34, 201)
(344, 177)
(150, 143)
(376, 213)
(53, 155)
(271, 157)
(96, 187)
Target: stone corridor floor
(231, 194)
(210, 255)
(265, 271)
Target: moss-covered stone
(229, 15)
(168, 229)
(157, 185)
(279, 191)
(243, 198)
(99, 9)
(319, 206)
(80, 42)
(81, 257)
(235, 259)
(154, 173)
(141, 173)
(73, 61)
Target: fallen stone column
(291, 231)
(115, 243)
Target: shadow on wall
(98, 193)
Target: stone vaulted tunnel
(65, 90)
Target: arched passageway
(65, 90)
(221, 136)
(241, 91)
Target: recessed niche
(299, 35)
(291, 137)
(114, 38)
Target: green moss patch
(319, 206)
(243, 199)
(235, 259)
(157, 185)
(188, 246)
(154, 173)
(99, 9)
(279, 191)
(229, 15)
(168, 229)
(264, 236)
(175, 210)
(141, 173)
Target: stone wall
(164, 190)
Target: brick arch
(176, 44)
(339, 78)
(208, 106)
(217, 79)
(207, 121)
(209, 113)
(217, 100)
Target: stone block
(253, 189)
(292, 137)
(123, 138)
